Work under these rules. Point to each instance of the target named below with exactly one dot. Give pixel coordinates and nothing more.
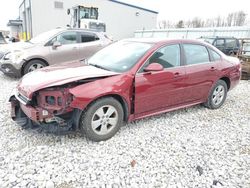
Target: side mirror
(153, 67)
(12, 39)
(56, 44)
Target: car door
(201, 71)
(66, 48)
(89, 44)
(163, 89)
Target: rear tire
(217, 95)
(33, 65)
(102, 119)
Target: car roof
(215, 37)
(163, 40)
(60, 29)
(87, 30)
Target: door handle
(212, 69)
(74, 48)
(176, 74)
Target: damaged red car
(128, 80)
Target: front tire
(34, 65)
(217, 95)
(102, 119)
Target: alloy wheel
(218, 95)
(104, 120)
(35, 66)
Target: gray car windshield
(120, 56)
(44, 37)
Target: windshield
(120, 56)
(44, 37)
(88, 13)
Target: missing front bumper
(27, 117)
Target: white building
(121, 19)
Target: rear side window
(88, 37)
(168, 56)
(195, 54)
(215, 56)
(231, 43)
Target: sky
(168, 10)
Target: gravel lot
(193, 147)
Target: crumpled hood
(58, 75)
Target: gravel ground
(194, 147)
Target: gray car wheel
(217, 95)
(102, 119)
(34, 65)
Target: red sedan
(125, 81)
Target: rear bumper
(235, 78)
(234, 82)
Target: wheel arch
(117, 97)
(223, 78)
(26, 62)
(227, 80)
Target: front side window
(168, 56)
(219, 43)
(67, 38)
(195, 54)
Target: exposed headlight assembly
(7, 56)
(14, 56)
